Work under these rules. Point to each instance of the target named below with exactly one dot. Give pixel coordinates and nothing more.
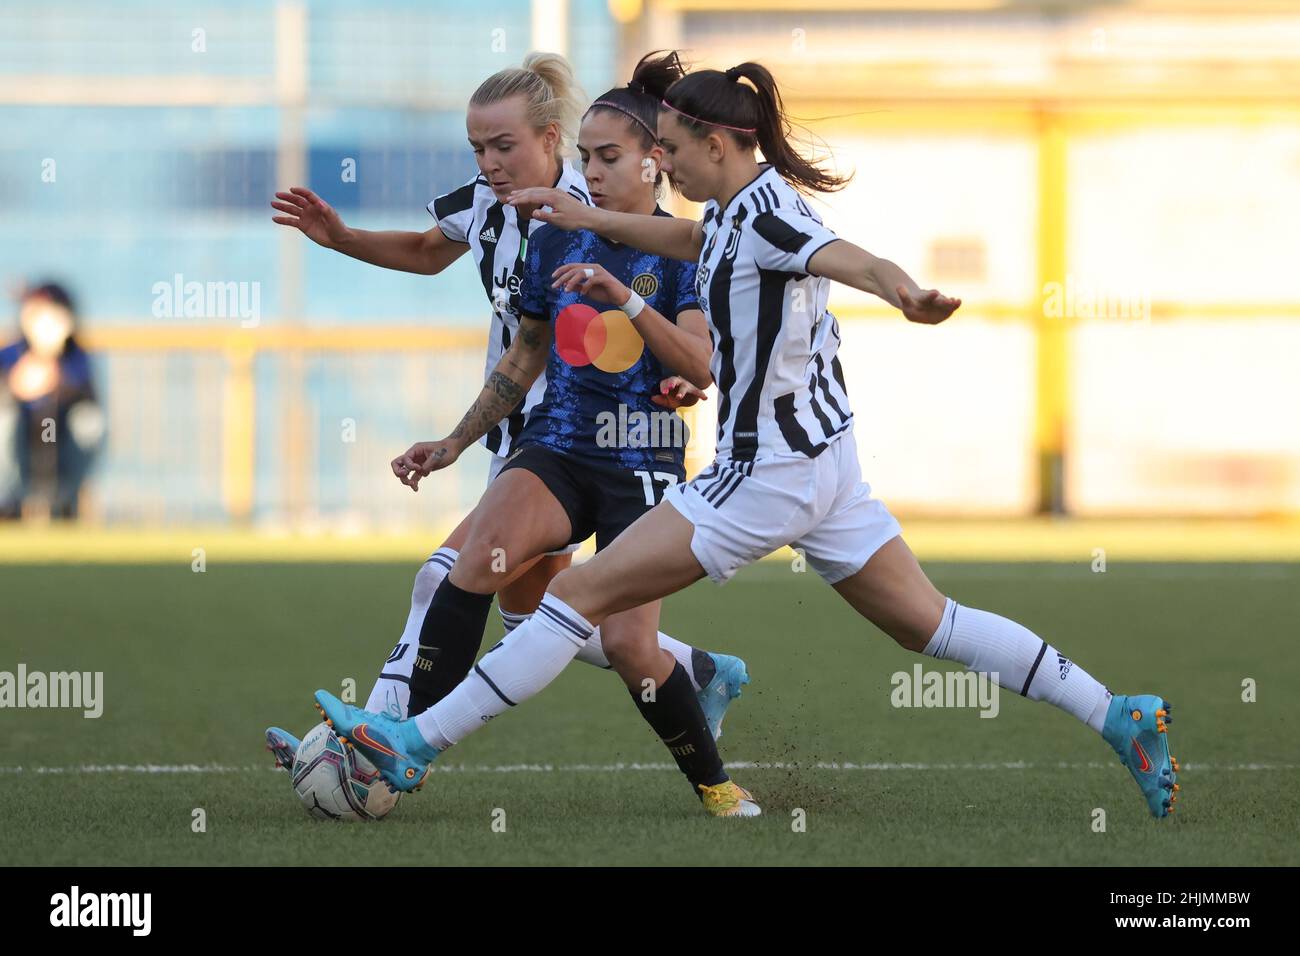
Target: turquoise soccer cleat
(395, 747)
(283, 746)
(729, 676)
(1136, 729)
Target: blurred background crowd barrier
(1113, 188)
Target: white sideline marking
(623, 767)
(1082, 571)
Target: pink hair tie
(738, 129)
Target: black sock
(676, 717)
(449, 641)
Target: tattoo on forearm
(459, 430)
(530, 335)
(506, 388)
(482, 416)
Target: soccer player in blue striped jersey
(600, 378)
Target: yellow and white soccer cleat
(729, 799)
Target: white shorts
(743, 510)
(494, 468)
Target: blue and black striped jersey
(600, 375)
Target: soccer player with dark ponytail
(760, 120)
(787, 468)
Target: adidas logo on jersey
(488, 235)
(1064, 663)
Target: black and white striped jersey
(472, 214)
(780, 387)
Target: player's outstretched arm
(424, 253)
(842, 261)
(684, 346)
(658, 235)
(505, 388)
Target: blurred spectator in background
(51, 425)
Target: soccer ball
(335, 782)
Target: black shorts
(600, 499)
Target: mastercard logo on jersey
(606, 339)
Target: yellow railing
(240, 348)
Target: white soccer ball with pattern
(336, 782)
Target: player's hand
(422, 459)
(566, 211)
(676, 392)
(591, 280)
(310, 215)
(929, 308)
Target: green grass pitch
(197, 664)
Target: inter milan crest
(645, 285)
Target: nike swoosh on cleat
(360, 735)
(1146, 761)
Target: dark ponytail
(754, 117)
(638, 102)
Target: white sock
(392, 691)
(528, 659)
(1024, 662)
(593, 652)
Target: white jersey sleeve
(455, 211)
(785, 239)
